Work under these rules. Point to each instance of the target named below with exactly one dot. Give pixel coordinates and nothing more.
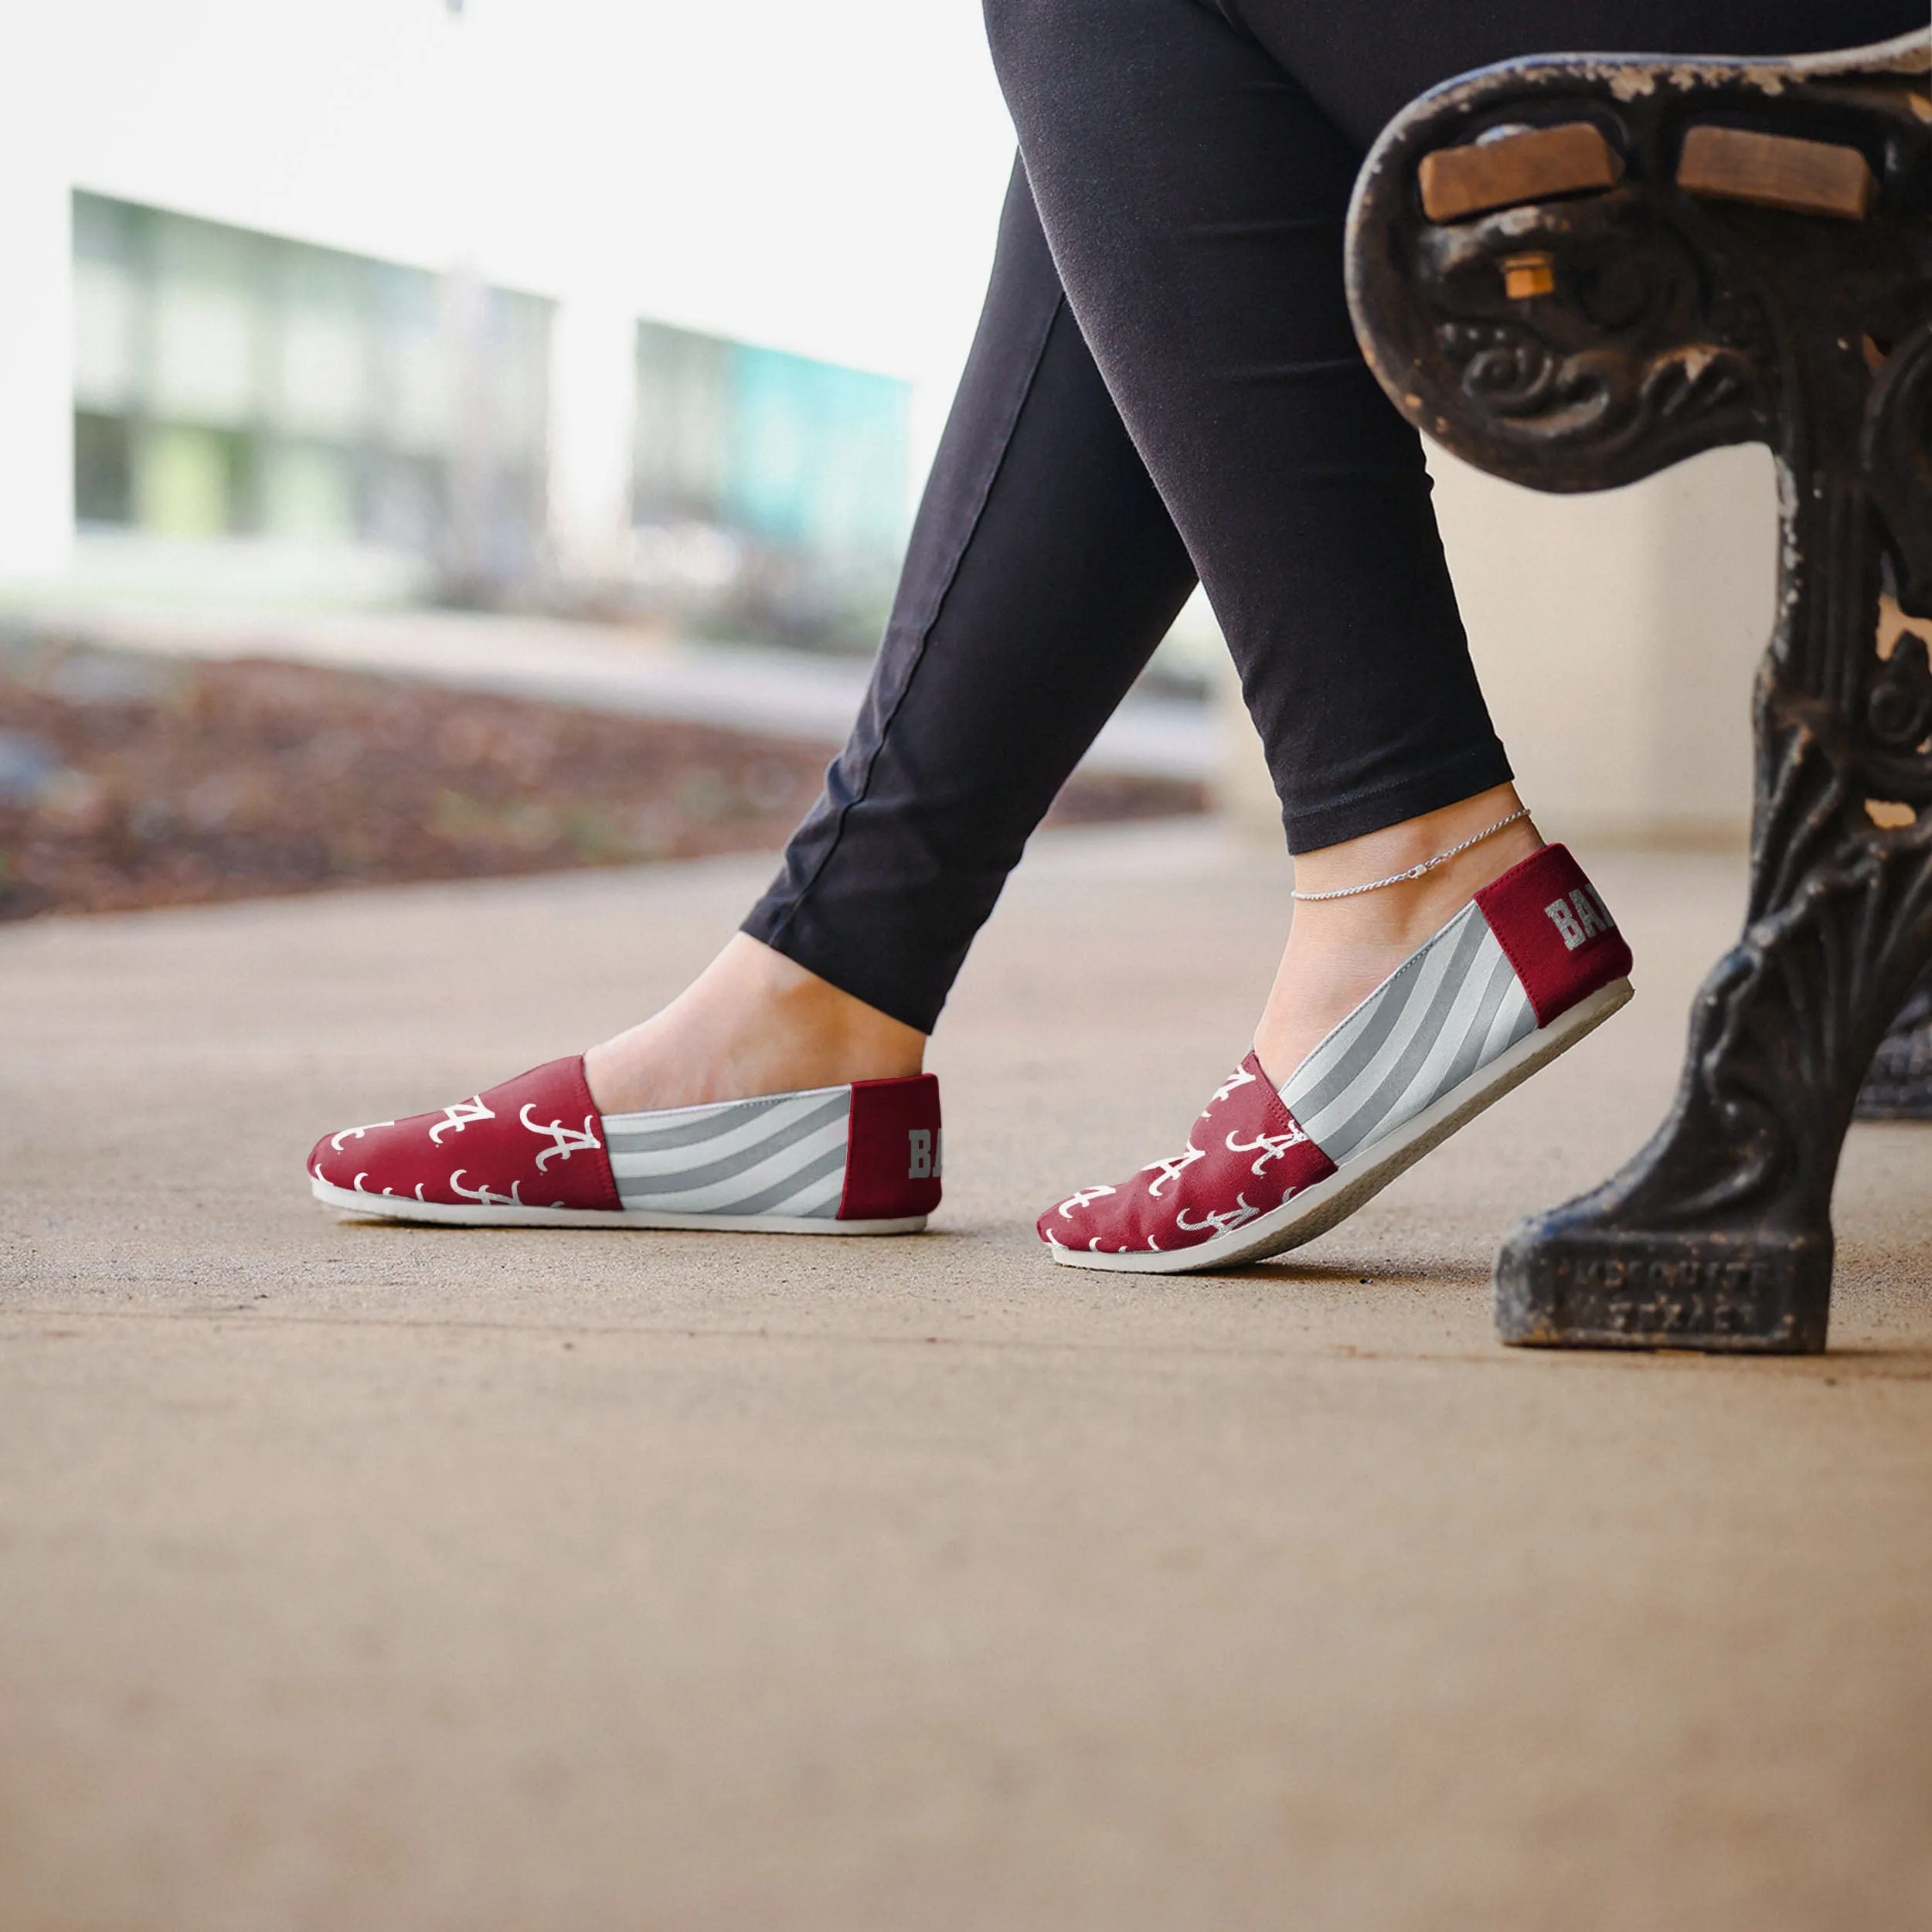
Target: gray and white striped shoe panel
(1454, 1004)
(783, 1155)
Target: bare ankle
(1493, 830)
(1341, 949)
(752, 1023)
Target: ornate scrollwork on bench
(1574, 273)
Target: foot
(754, 1040)
(535, 1151)
(1339, 950)
(1499, 988)
(752, 1023)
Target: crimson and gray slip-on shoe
(535, 1152)
(1525, 972)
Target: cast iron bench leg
(1575, 273)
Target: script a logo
(1581, 917)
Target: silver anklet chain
(1427, 866)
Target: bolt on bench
(1574, 272)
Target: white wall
(593, 405)
(1617, 635)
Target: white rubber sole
(1316, 1210)
(395, 1207)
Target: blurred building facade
(231, 387)
(378, 302)
(228, 383)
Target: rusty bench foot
(1563, 1283)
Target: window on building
(229, 383)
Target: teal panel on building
(802, 455)
(818, 453)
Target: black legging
(1164, 381)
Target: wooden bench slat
(1531, 163)
(1776, 171)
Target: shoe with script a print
(535, 1152)
(1520, 975)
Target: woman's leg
(1192, 161)
(1194, 195)
(1042, 570)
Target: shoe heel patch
(892, 1150)
(1555, 931)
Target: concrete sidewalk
(357, 1577)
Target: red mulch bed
(127, 782)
